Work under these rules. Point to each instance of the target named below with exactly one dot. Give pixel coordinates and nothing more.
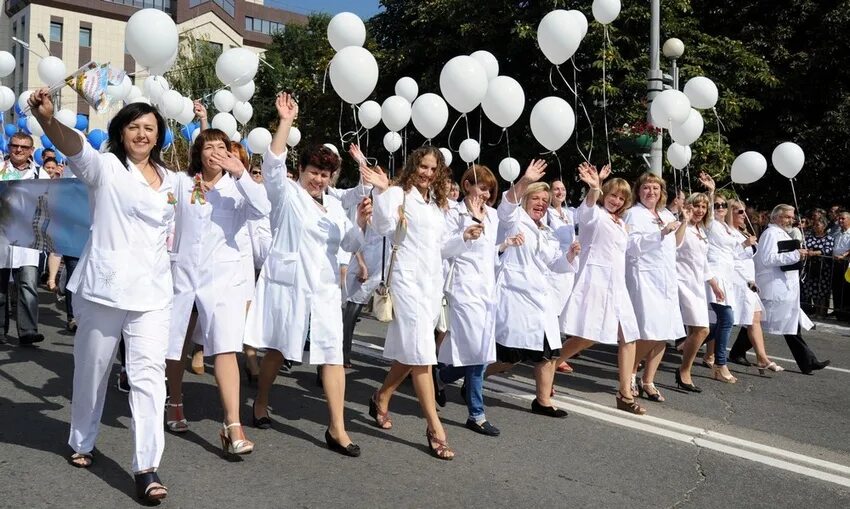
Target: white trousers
(99, 329)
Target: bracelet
(596, 189)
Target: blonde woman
(561, 220)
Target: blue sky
(363, 8)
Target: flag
(44, 214)
(91, 82)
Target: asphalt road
(782, 440)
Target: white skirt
(693, 303)
(747, 303)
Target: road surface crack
(686, 497)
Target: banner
(48, 215)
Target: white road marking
(523, 388)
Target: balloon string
(797, 208)
(586, 115)
(606, 44)
(480, 138)
(354, 116)
(325, 79)
(688, 171)
(347, 135)
(575, 101)
(501, 135)
(405, 145)
(452, 130)
(508, 141)
(560, 171)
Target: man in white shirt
(20, 262)
(841, 252)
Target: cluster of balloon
(353, 69)
(236, 69)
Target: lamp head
(673, 48)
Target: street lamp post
(673, 49)
(655, 80)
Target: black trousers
(349, 319)
(803, 355)
(840, 291)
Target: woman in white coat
(560, 218)
(215, 199)
(693, 273)
(600, 310)
(654, 236)
(122, 284)
(298, 290)
(412, 209)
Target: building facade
(79, 31)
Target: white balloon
(187, 113)
(702, 92)
(224, 122)
(120, 91)
(161, 69)
(463, 82)
(488, 61)
(469, 150)
(237, 137)
(237, 66)
(243, 112)
(392, 142)
(7, 64)
(395, 112)
(509, 169)
(346, 29)
(678, 155)
(66, 117)
(447, 156)
(369, 114)
(688, 131)
(51, 70)
(430, 115)
(670, 107)
(224, 101)
(34, 127)
(331, 146)
(244, 92)
(133, 93)
(552, 122)
(259, 139)
(138, 99)
(748, 167)
(504, 101)
(294, 137)
(151, 37)
(559, 35)
(354, 74)
(155, 86)
(195, 133)
(407, 88)
(605, 11)
(788, 159)
(171, 104)
(23, 98)
(580, 21)
(7, 98)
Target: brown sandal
(382, 419)
(81, 460)
(442, 451)
(630, 406)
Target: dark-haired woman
(413, 206)
(214, 201)
(122, 284)
(298, 290)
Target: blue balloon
(3, 145)
(169, 138)
(244, 143)
(60, 157)
(96, 138)
(10, 129)
(45, 141)
(22, 123)
(18, 110)
(37, 155)
(188, 129)
(82, 122)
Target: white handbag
(382, 299)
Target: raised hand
(375, 177)
(200, 110)
(228, 162)
(41, 104)
(357, 154)
(604, 173)
(475, 205)
(587, 173)
(707, 182)
(686, 214)
(287, 108)
(535, 171)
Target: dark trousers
(349, 319)
(26, 281)
(70, 265)
(803, 355)
(840, 291)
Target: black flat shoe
(550, 411)
(30, 339)
(815, 366)
(147, 484)
(351, 450)
(264, 422)
(687, 387)
(485, 428)
(740, 360)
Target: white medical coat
(780, 291)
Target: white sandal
(228, 445)
(178, 425)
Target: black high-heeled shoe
(682, 385)
(264, 422)
(351, 450)
(149, 488)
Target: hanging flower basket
(636, 138)
(636, 144)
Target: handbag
(382, 299)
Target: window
(228, 5)
(55, 31)
(163, 5)
(85, 37)
(263, 25)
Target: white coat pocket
(107, 274)
(281, 267)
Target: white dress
(527, 305)
(563, 224)
(748, 301)
(298, 290)
(651, 274)
(722, 246)
(208, 261)
(417, 277)
(600, 303)
(692, 272)
(471, 293)
(780, 291)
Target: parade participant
(122, 284)
(298, 290)
(560, 218)
(214, 201)
(779, 286)
(654, 236)
(410, 211)
(599, 310)
(526, 302)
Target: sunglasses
(14, 146)
(256, 172)
(741, 212)
(718, 206)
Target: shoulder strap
(386, 276)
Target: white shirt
(842, 242)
